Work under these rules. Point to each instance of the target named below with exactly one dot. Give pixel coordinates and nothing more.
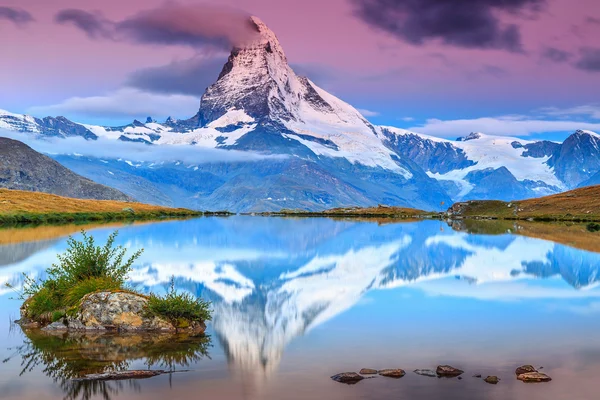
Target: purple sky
(526, 67)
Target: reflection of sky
(313, 286)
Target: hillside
(22, 168)
(22, 206)
(579, 204)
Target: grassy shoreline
(355, 212)
(22, 207)
(66, 218)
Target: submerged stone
(534, 377)
(425, 372)
(392, 373)
(493, 380)
(367, 371)
(448, 371)
(349, 378)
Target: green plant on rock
(180, 309)
(82, 269)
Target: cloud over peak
(459, 23)
(589, 59)
(18, 16)
(192, 25)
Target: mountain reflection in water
(274, 280)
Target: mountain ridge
(22, 168)
(258, 104)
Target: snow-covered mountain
(480, 166)
(335, 157)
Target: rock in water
(492, 380)
(523, 369)
(534, 377)
(120, 311)
(120, 375)
(349, 378)
(56, 326)
(367, 371)
(425, 372)
(448, 371)
(392, 373)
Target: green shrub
(179, 308)
(593, 227)
(58, 315)
(43, 302)
(83, 268)
(84, 260)
(91, 285)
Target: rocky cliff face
(434, 156)
(577, 159)
(22, 168)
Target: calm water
(296, 301)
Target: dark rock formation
(22, 168)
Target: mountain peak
(585, 132)
(470, 136)
(266, 35)
(256, 79)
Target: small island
(86, 290)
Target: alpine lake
(298, 300)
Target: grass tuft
(180, 309)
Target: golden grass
(18, 201)
(10, 235)
(573, 235)
(567, 233)
(579, 204)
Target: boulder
(448, 371)
(349, 378)
(120, 311)
(367, 371)
(425, 372)
(534, 377)
(56, 326)
(524, 369)
(493, 380)
(392, 373)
